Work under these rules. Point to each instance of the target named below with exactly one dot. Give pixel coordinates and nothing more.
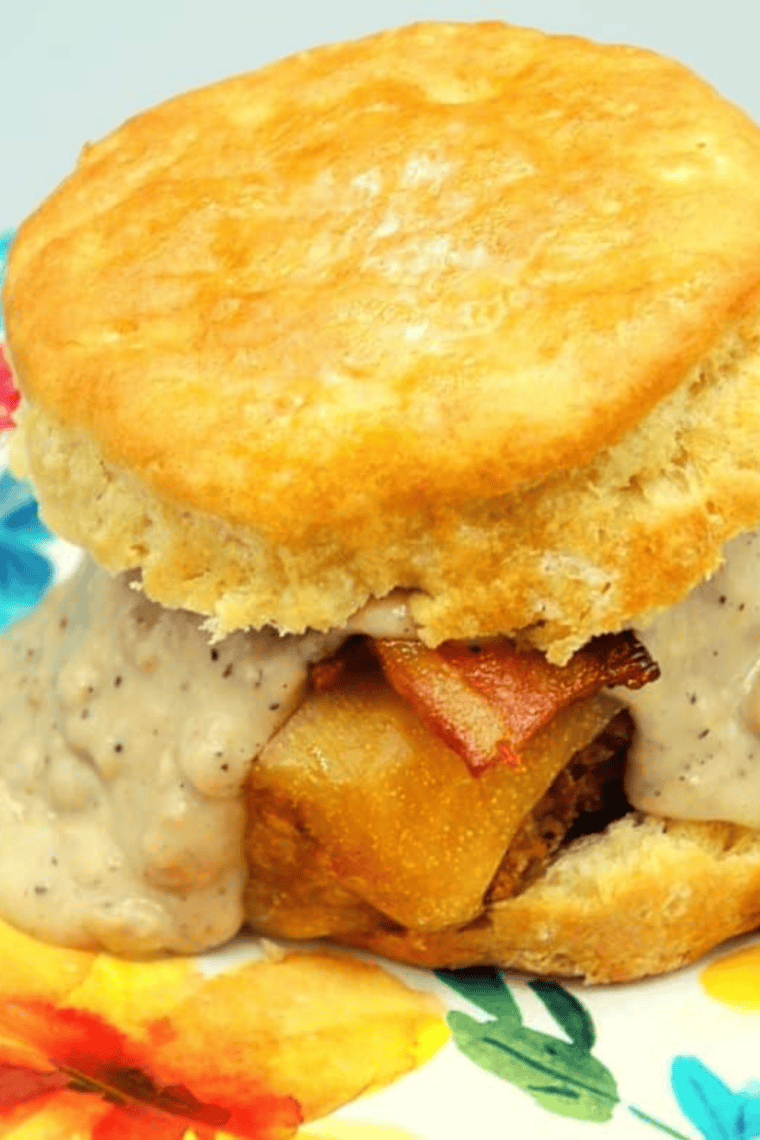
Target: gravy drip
(696, 753)
(125, 740)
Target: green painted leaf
(567, 1011)
(484, 987)
(561, 1076)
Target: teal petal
(716, 1110)
(19, 518)
(24, 577)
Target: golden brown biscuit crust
(389, 313)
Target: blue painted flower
(25, 572)
(717, 1111)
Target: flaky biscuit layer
(596, 548)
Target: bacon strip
(466, 720)
(487, 701)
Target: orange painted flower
(97, 1048)
(75, 1050)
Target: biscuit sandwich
(406, 397)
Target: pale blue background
(70, 70)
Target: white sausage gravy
(696, 754)
(125, 741)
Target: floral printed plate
(90, 1047)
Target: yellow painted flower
(734, 979)
(131, 995)
(34, 969)
(321, 1027)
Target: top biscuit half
(462, 308)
